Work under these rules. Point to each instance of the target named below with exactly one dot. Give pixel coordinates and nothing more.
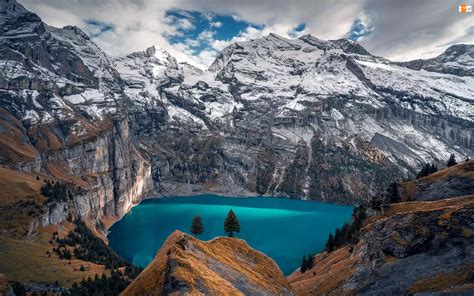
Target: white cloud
(182, 24)
(206, 35)
(403, 29)
(216, 24)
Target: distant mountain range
(86, 136)
(302, 118)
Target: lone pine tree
(307, 263)
(231, 224)
(197, 226)
(451, 161)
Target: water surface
(284, 229)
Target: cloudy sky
(195, 30)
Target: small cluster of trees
(56, 191)
(392, 195)
(101, 286)
(231, 225)
(349, 232)
(20, 289)
(63, 252)
(307, 263)
(429, 169)
(89, 247)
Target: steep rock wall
(115, 174)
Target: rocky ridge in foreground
(223, 266)
(416, 246)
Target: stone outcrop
(456, 181)
(115, 175)
(60, 139)
(223, 266)
(413, 247)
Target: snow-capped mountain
(304, 118)
(271, 102)
(457, 59)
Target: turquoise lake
(284, 229)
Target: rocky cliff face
(60, 117)
(115, 174)
(414, 247)
(300, 118)
(304, 118)
(223, 266)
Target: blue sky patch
(360, 27)
(94, 28)
(296, 30)
(197, 29)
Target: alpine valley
(85, 136)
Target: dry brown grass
(417, 206)
(27, 260)
(12, 145)
(20, 201)
(451, 281)
(327, 276)
(17, 186)
(61, 172)
(191, 267)
(464, 169)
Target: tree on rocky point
(231, 224)
(197, 226)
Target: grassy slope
(462, 170)
(20, 200)
(331, 270)
(23, 255)
(26, 260)
(327, 275)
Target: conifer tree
(451, 161)
(425, 171)
(330, 243)
(392, 192)
(231, 224)
(303, 264)
(197, 226)
(309, 262)
(433, 168)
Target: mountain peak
(150, 51)
(350, 46)
(157, 52)
(11, 6)
(457, 50)
(458, 59)
(276, 36)
(76, 30)
(222, 266)
(153, 52)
